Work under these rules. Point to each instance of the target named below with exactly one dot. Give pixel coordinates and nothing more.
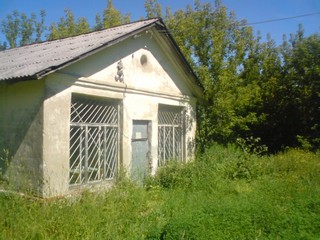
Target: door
(140, 143)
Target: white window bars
(94, 140)
(170, 133)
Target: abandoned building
(75, 112)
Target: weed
(252, 145)
(4, 163)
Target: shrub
(172, 175)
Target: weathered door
(140, 143)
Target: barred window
(94, 139)
(170, 133)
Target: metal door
(140, 143)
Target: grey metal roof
(35, 60)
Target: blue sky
(252, 10)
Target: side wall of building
(21, 121)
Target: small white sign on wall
(138, 135)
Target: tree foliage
(110, 17)
(68, 26)
(10, 27)
(153, 8)
(19, 29)
(252, 89)
(217, 45)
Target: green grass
(224, 194)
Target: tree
(263, 68)
(303, 76)
(289, 80)
(40, 27)
(99, 23)
(82, 26)
(216, 47)
(67, 26)
(18, 27)
(153, 8)
(252, 88)
(27, 28)
(111, 16)
(10, 27)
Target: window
(170, 133)
(94, 139)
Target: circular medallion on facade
(143, 59)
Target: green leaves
(152, 8)
(216, 44)
(111, 16)
(18, 27)
(252, 88)
(68, 26)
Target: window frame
(171, 133)
(94, 139)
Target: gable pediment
(144, 63)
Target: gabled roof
(39, 59)
(35, 60)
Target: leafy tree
(18, 27)
(263, 68)
(99, 23)
(153, 8)
(252, 88)
(10, 27)
(68, 26)
(303, 76)
(27, 28)
(289, 81)
(40, 27)
(111, 16)
(126, 18)
(82, 26)
(216, 47)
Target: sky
(254, 11)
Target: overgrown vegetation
(252, 89)
(261, 96)
(224, 194)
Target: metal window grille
(94, 140)
(170, 133)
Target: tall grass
(223, 194)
